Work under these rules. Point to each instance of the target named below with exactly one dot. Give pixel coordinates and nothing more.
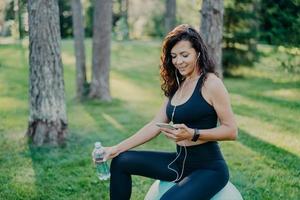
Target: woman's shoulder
(214, 86)
(212, 81)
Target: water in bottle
(102, 168)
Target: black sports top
(196, 112)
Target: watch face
(196, 135)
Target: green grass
(264, 161)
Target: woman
(195, 99)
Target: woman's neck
(193, 75)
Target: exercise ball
(158, 188)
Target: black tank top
(196, 112)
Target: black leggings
(201, 180)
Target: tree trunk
(78, 31)
(101, 50)
(47, 112)
(211, 29)
(170, 18)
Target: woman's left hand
(182, 132)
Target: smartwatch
(196, 135)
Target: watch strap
(196, 135)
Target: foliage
(240, 33)
(155, 26)
(290, 61)
(89, 11)
(121, 30)
(280, 22)
(18, 28)
(65, 17)
(9, 11)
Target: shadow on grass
(290, 124)
(283, 158)
(274, 100)
(68, 172)
(261, 86)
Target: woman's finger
(169, 135)
(180, 126)
(167, 130)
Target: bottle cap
(98, 145)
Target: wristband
(196, 135)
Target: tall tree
(78, 31)
(211, 29)
(47, 112)
(170, 15)
(240, 33)
(102, 23)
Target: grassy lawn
(264, 162)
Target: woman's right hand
(111, 152)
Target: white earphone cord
(185, 150)
(183, 163)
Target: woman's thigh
(145, 163)
(202, 184)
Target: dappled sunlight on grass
(137, 98)
(14, 121)
(17, 136)
(113, 122)
(263, 162)
(283, 116)
(256, 104)
(269, 67)
(68, 59)
(14, 57)
(20, 176)
(11, 104)
(79, 118)
(25, 175)
(270, 133)
(292, 94)
(265, 176)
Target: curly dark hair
(167, 70)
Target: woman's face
(184, 58)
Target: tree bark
(78, 31)
(101, 50)
(47, 110)
(211, 28)
(170, 18)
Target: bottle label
(99, 155)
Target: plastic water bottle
(102, 168)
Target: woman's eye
(185, 56)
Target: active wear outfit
(205, 171)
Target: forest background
(261, 66)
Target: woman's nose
(178, 61)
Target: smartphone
(165, 125)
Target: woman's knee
(121, 160)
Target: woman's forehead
(181, 46)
